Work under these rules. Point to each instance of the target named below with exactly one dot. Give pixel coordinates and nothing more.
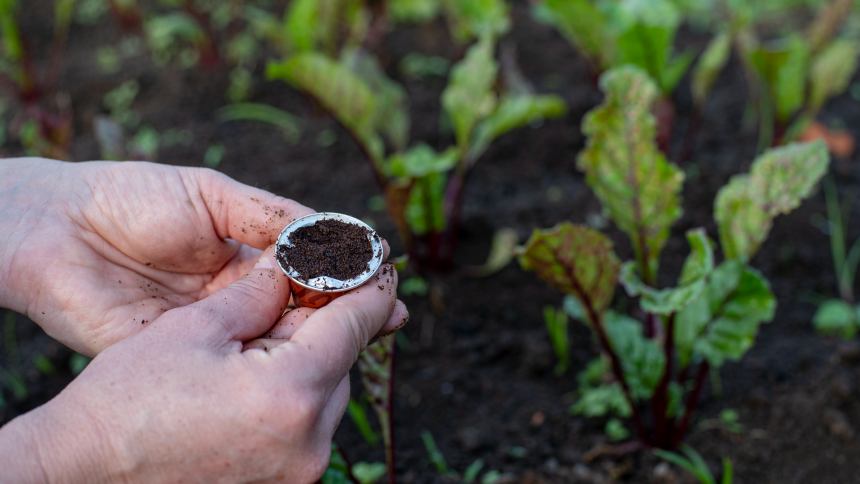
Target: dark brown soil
(330, 248)
(474, 365)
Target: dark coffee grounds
(330, 248)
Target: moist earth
(332, 248)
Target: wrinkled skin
(202, 372)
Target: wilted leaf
(469, 96)
(585, 26)
(710, 64)
(698, 265)
(832, 71)
(779, 180)
(514, 111)
(723, 324)
(783, 67)
(837, 317)
(576, 260)
(635, 183)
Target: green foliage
(777, 182)
(340, 472)
(782, 67)
(831, 71)
(555, 320)
(692, 462)
(613, 34)
(642, 359)
(475, 19)
(435, 455)
(722, 325)
(359, 417)
(576, 260)
(837, 317)
(469, 96)
(697, 267)
(635, 183)
(288, 123)
(711, 63)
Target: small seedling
(556, 327)
(440, 464)
(840, 316)
(692, 462)
(653, 370)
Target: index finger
(336, 333)
(244, 213)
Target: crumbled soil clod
(330, 248)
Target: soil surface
(474, 365)
(330, 248)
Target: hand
(185, 400)
(93, 252)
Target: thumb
(246, 308)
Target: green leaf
(469, 96)
(778, 182)
(698, 265)
(556, 327)
(473, 19)
(413, 11)
(342, 92)
(514, 111)
(783, 68)
(832, 71)
(300, 23)
(286, 121)
(635, 183)
(422, 160)
(615, 430)
(375, 364)
(691, 461)
(425, 206)
(392, 104)
(471, 473)
(837, 317)
(585, 26)
(359, 417)
(576, 260)
(434, 454)
(641, 358)
(600, 401)
(711, 63)
(723, 325)
(368, 472)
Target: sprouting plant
(423, 187)
(654, 362)
(840, 316)
(376, 364)
(556, 327)
(793, 75)
(342, 471)
(468, 476)
(43, 121)
(692, 462)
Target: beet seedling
(43, 123)
(653, 371)
(423, 187)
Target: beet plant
(793, 73)
(423, 187)
(42, 119)
(655, 360)
(611, 33)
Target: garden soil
(475, 367)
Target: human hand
(95, 251)
(186, 400)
